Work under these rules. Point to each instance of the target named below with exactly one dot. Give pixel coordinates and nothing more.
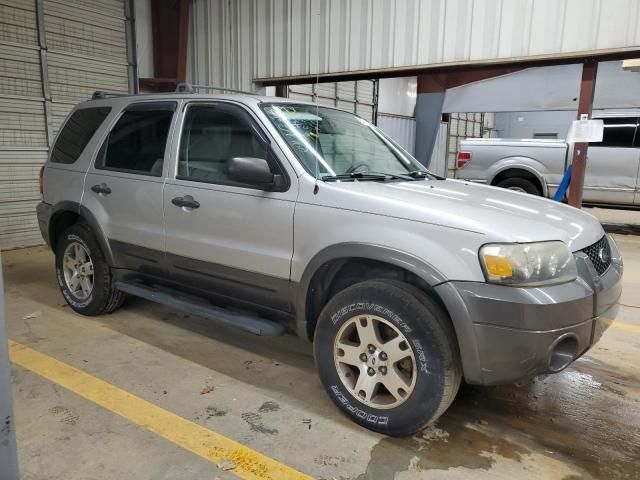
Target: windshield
(332, 143)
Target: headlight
(528, 264)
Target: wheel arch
(314, 290)
(323, 268)
(66, 213)
(519, 167)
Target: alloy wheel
(375, 361)
(78, 270)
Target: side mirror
(253, 171)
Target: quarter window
(211, 136)
(77, 132)
(618, 132)
(137, 142)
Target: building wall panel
(84, 50)
(236, 42)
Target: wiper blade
(399, 176)
(355, 176)
(368, 176)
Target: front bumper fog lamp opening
(563, 352)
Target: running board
(185, 303)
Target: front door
(612, 165)
(231, 240)
(124, 187)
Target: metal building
(53, 54)
(236, 43)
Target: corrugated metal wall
(354, 97)
(400, 129)
(234, 42)
(23, 128)
(80, 46)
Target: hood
(499, 214)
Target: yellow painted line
(212, 446)
(621, 325)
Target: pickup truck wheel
(387, 356)
(83, 273)
(520, 185)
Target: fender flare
(457, 310)
(84, 213)
(520, 166)
(365, 251)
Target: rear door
(238, 242)
(612, 165)
(124, 186)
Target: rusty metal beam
(440, 82)
(467, 66)
(183, 37)
(170, 32)
(585, 104)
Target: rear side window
(137, 142)
(618, 132)
(76, 133)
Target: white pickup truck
(537, 166)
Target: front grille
(600, 255)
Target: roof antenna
(316, 187)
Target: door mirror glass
(250, 170)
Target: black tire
(104, 298)
(429, 334)
(518, 183)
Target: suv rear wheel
(84, 276)
(387, 356)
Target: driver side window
(211, 136)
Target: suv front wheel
(387, 356)
(84, 275)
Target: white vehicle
(537, 166)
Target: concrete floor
(581, 423)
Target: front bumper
(508, 333)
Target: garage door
(81, 47)
(359, 97)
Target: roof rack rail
(106, 94)
(186, 87)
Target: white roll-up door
(357, 97)
(80, 45)
(23, 128)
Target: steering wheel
(356, 167)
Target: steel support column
(132, 54)
(44, 71)
(170, 31)
(8, 455)
(432, 88)
(428, 118)
(579, 161)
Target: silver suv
(272, 215)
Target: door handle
(187, 202)
(102, 189)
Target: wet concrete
(581, 423)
